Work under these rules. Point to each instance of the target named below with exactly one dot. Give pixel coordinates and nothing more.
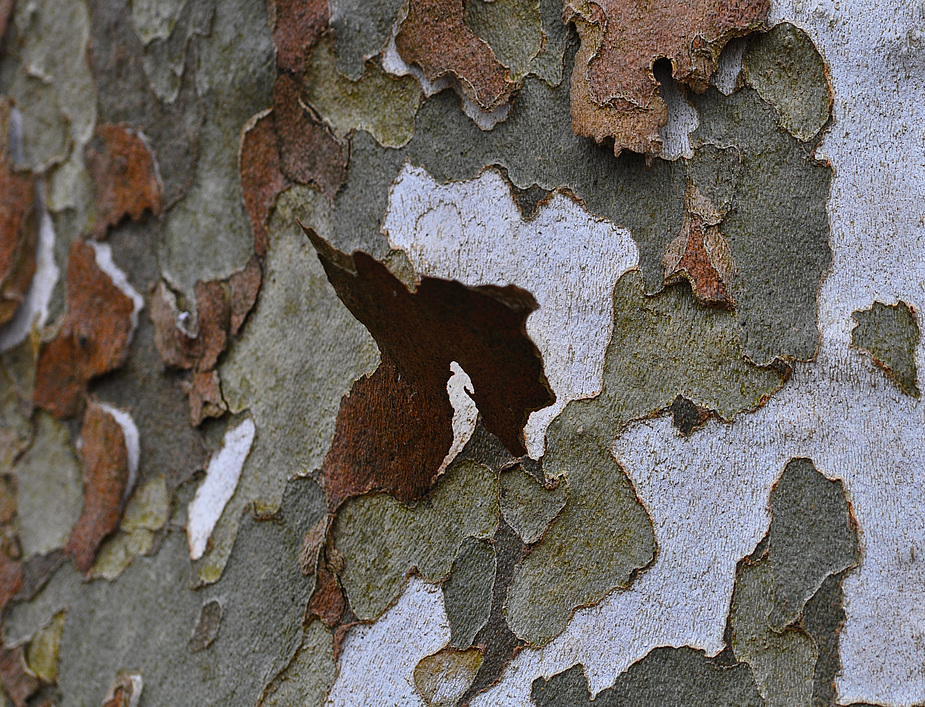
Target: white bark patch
(105, 263)
(569, 260)
(377, 663)
(708, 497)
(218, 487)
(683, 119)
(33, 311)
(132, 443)
(465, 412)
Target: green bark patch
(666, 676)
(468, 591)
(662, 347)
(890, 334)
(382, 539)
(812, 538)
(788, 72)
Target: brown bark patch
(262, 178)
(309, 152)
(18, 233)
(205, 396)
(299, 24)
(327, 601)
(395, 426)
(700, 254)
(93, 338)
(614, 90)
(124, 175)
(245, 286)
(18, 684)
(106, 478)
(435, 36)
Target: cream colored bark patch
(218, 487)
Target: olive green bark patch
(778, 227)
(381, 539)
(382, 105)
(662, 347)
(666, 676)
(42, 651)
(468, 591)
(788, 72)
(150, 614)
(784, 663)
(361, 30)
(526, 36)
(890, 334)
(806, 507)
(154, 19)
(665, 346)
(443, 678)
(528, 506)
(308, 678)
(812, 539)
(50, 486)
(595, 545)
(235, 77)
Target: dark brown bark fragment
(395, 427)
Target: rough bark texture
(461, 352)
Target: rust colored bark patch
(435, 37)
(299, 24)
(177, 348)
(309, 152)
(124, 175)
(395, 427)
(11, 579)
(700, 254)
(262, 178)
(327, 602)
(245, 286)
(18, 232)
(18, 684)
(125, 692)
(205, 396)
(106, 478)
(614, 90)
(93, 338)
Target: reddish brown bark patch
(262, 178)
(395, 426)
(93, 338)
(11, 578)
(121, 693)
(176, 347)
(299, 24)
(700, 254)
(435, 36)
(18, 684)
(106, 478)
(124, 175)
(327, 601)
(614, 91)
(18, 233)
(309, 152)
(245, 286)
(205, 396)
